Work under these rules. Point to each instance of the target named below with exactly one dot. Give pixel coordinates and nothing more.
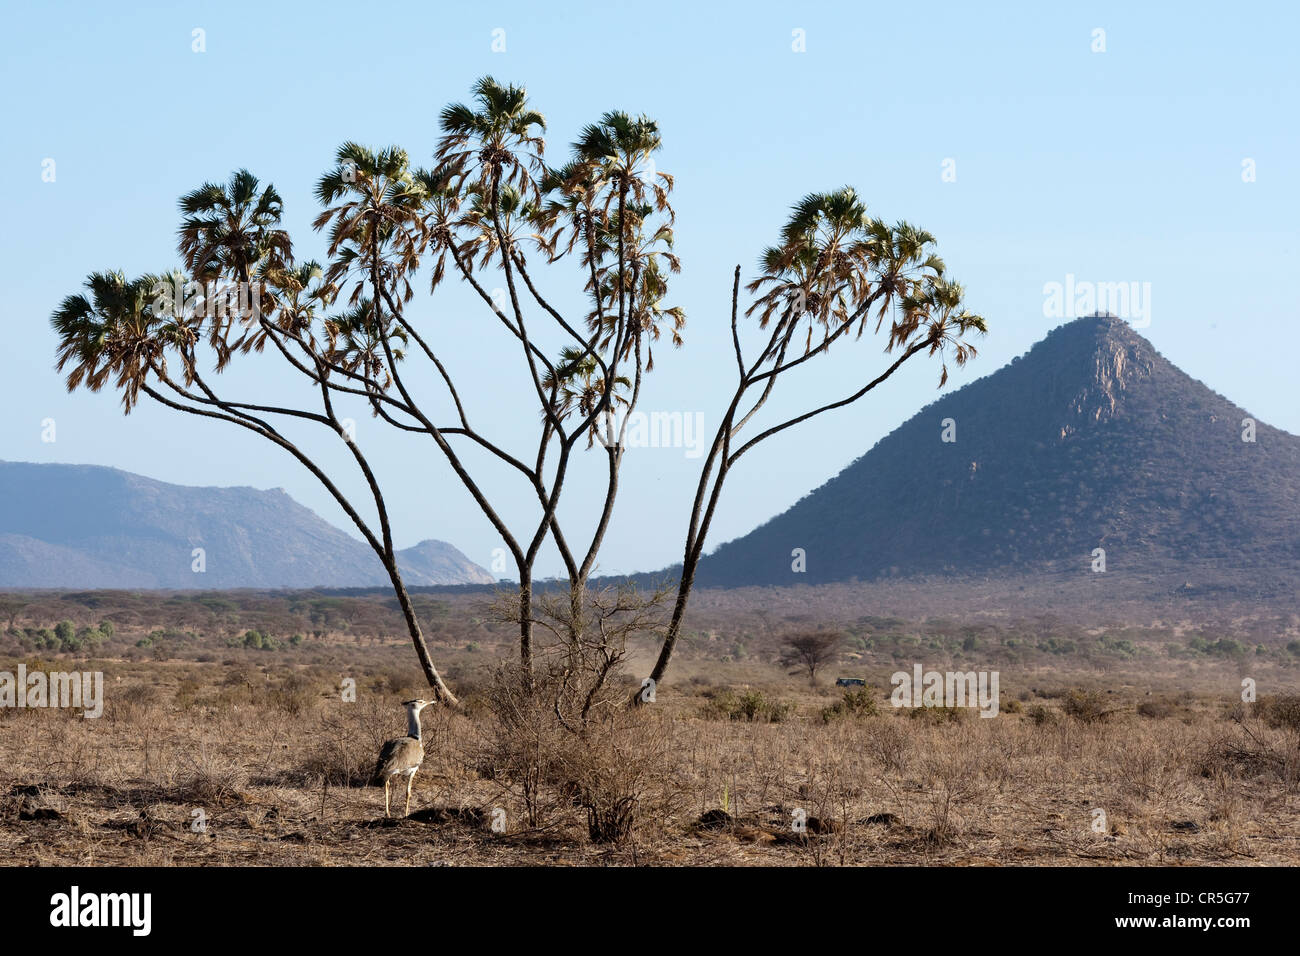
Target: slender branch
(918, 347)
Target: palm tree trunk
(383, 549)
(674, 626)
(526, 623)
(441, 691)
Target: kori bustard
(402, 755)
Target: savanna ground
(226, 741)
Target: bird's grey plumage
(399, 755)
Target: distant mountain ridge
(88, 526)
(1092, 439)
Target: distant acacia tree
(10, 608)
(808, 652)
(493, 215)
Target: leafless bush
(1086, 706)
(581, 644)
(951, 777)
(830, 782)
(1041, 714)
(614, 772)
(1156, 709)
(131, 703)
(206, 775)
(1281, 710)
(886, 742)
(348, 741)
(521, 743)
(1271, 749)
(295, 695)
(1146, 766)
(564, 735)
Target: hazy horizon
(509, 574)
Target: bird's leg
(386, 782)
(409, 780)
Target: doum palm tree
(487, 208)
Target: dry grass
(201, 764)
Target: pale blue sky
(1117, 166)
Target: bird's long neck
(413, 723)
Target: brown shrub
(614, 772)
(1281, 711)
(1158, 708)
(1041, 714)
(1086, 706)
(752, 706)
(295, 695)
